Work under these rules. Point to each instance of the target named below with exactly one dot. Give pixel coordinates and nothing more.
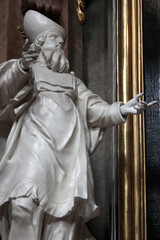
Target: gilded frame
(131, 136)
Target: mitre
(36, 25)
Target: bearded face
(54, 55)
(56, 60)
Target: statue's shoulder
(77, 80)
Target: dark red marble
(11, 41)
(52, 10)
(4, 6)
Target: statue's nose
(60, 41)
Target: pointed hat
(36, 25)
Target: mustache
(56, 60)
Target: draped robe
(58, 123)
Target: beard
(55, 60)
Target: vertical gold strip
(124, 132)
(131, 139)
(136, 128)
(142, 124)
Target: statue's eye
(52, 38)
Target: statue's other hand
(134, 107)
(28, 56)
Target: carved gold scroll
(131, 139)
(80, 8)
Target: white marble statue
(46, 183)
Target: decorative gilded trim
(52, 9)
(131, 136)
(21, 31)
(80, 8)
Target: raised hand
(134, 107)
(28, 56)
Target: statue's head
(47, 37)
(37, 25)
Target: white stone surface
(57, 124)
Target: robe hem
(85, 208)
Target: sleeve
(100, 113)
(12, 80)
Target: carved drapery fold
(131, 139)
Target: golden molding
(80, 8)
(131, 136)
(21, 31)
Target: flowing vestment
(55, 130)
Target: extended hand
(28, 56)
(134, 107)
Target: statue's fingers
(26, 45)
(34, 55)
(143, 103)
(151, 103)
(137, 107)
(139, 111)
(135, 111)
(30, 59)
(31, 51)
(139, 104)
(139, 96)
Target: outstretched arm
(101, 114)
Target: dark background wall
(151, 21)
(99, 73)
